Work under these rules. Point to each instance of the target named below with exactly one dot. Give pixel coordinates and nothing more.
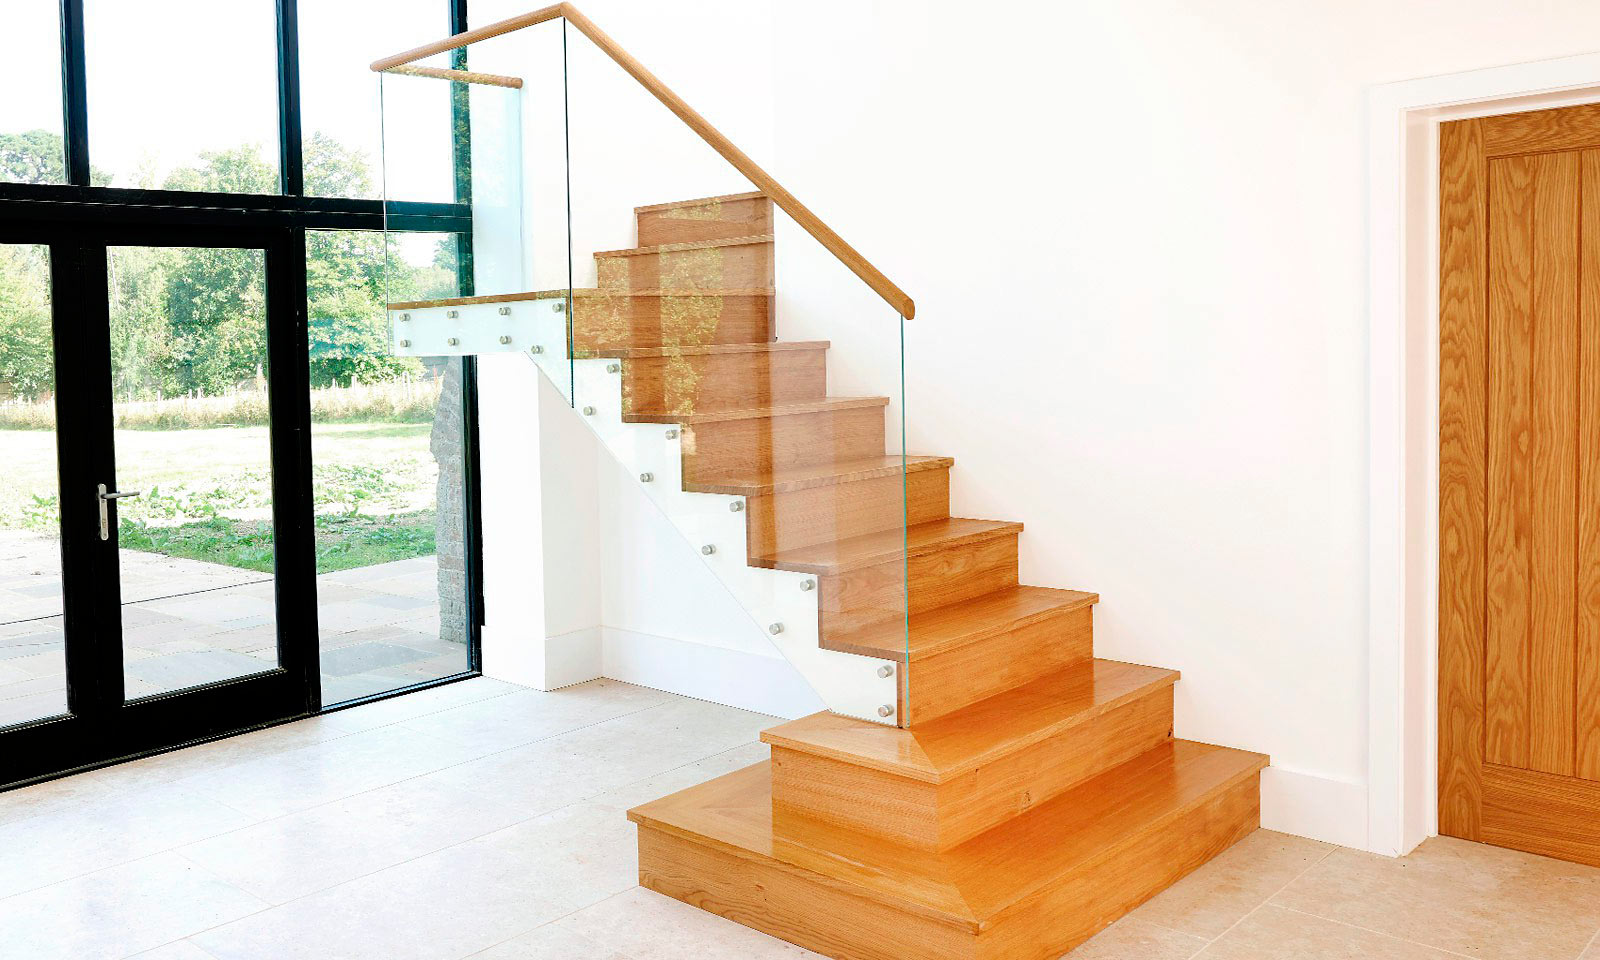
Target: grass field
(207, 492)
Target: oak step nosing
(702, 202)
(824, 405)
(751, 240)
(697, 350)
(585, 293)
(1152, 681)
(994, 531)
(843, 474)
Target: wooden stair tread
(839, 556)
(962, 741)
(696, 350)
(765, 482)
(968, 886)
(703, 201)
(686, 245)
(584, 293)
(826, 404)
(946, 628)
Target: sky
(170, 78)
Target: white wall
(1135, 233)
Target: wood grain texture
(1031, 888)
(1016, 774)
(825, 514)
(486, 32)
(766, 483)
(1538, 131)
(1533, 288)
(711, 218)
(699, 379)
(785, 438)
(1463, 386)
(922, 581)
(705, 265)
(459, 76)
(1547, 814)
(1586, 659)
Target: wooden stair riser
(937, 578)
(948, 681)
(764, 444)
(720, 218)
(690, 383)
(695, 268)
(798, 518)
(937, 816)
(618, 320)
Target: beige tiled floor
(484, 821)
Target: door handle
(106, 496)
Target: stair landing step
(702, 202)
(982, 733)
(697, 350)
(763, 483)
(825, 405)
(840, 556)
(947, 628)
(1118, 838)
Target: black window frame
(58, 207)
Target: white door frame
(1403, 518)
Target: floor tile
(644, 924)
(180, 950)
(419, 703)
(311, 776)
(1464, 897)
(550, 942)
(312, 850)
(530, 715)
(1219, 894)
(107, 830)
(1132, 939)
(218, 754)
(1273, 933)
(1593, 953)
(682, 778)
(120, 911)
(442, 906)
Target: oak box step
(1030, 889)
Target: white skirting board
(737, 678)
(1315, 806)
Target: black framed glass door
(176, 599)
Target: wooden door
(1519, 510)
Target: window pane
(339, 112)
(183, 94)
(33, 676)
(195, 545)
(387, 447)
(30, 110)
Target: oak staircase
(1032, 794)
(982, 786)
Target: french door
(157, 572)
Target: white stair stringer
(849, 684)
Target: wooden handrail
(457, 76)
(786, 201)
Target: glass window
(30, 111)
(33, 668)
(341, 125)
(183, 94)
(387, 448)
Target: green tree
(39, 156)
(27, 368)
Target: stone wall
(448, 445)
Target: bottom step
(1030, 889)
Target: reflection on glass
(33, 680)
(30, 111)
(183, 94)
(386, 440)
(339, 105)
(188, 366)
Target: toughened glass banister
(903, 305)
(632, 253)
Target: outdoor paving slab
(178, 670)
(344, 661)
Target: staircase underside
(1034, 887)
